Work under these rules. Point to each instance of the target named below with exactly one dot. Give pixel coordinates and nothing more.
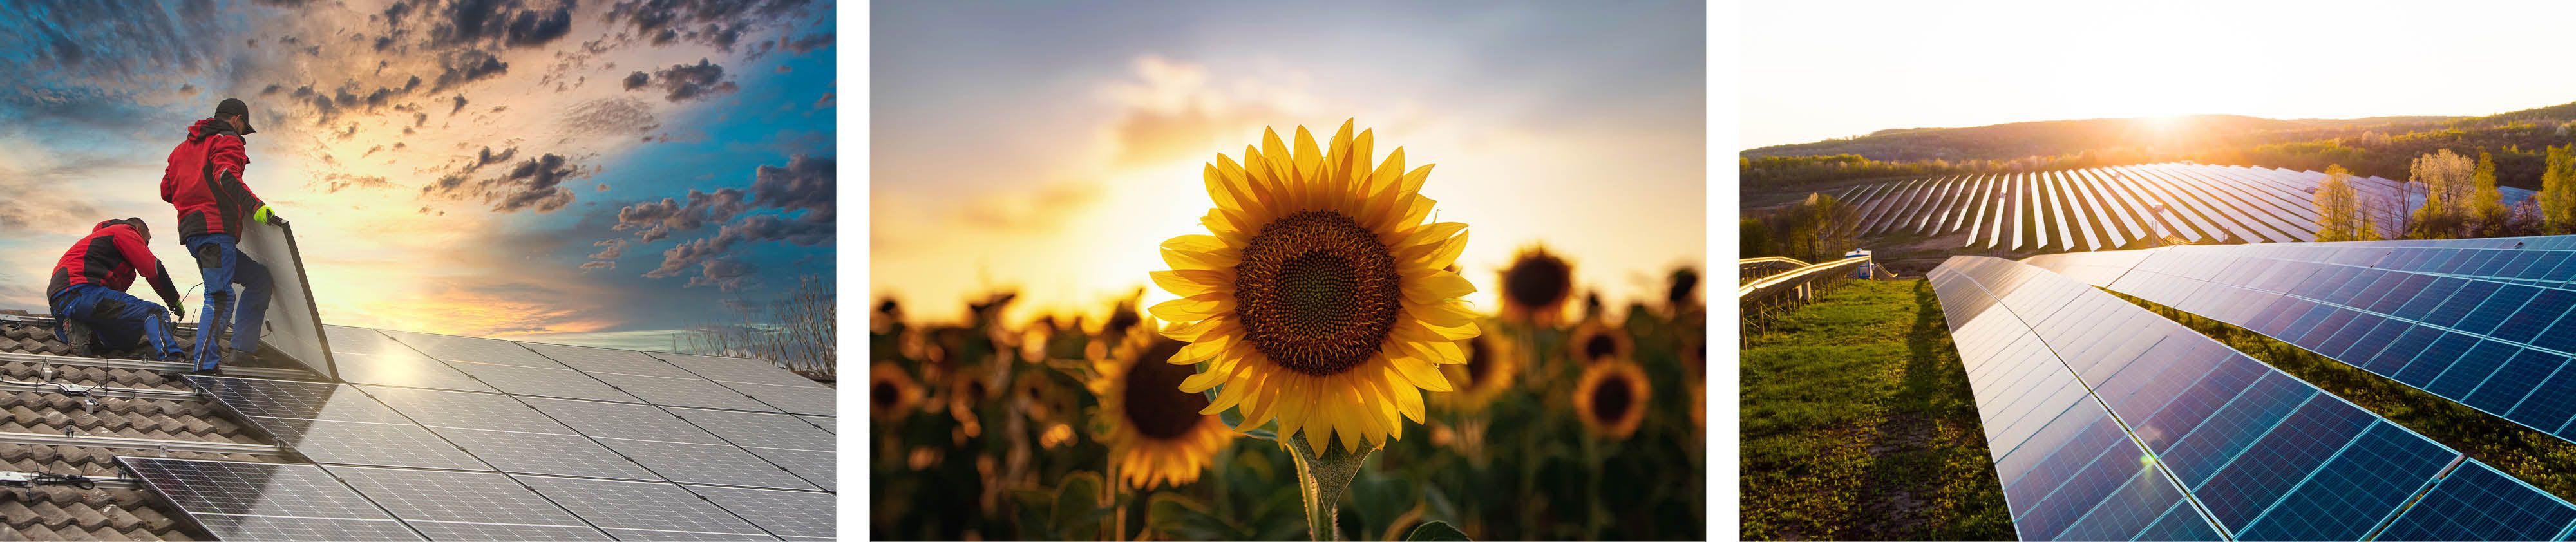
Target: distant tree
(2448, 184)
(2493, 218)
(1835, 228)
(1756, 237)
(2340, 216)
(2557, 198)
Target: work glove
(177, 313)
(266, 216)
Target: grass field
(2543, 460)
(1859, 425)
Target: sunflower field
(1318, 378)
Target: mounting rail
(50, 439)
(80, 390)
(164, 366)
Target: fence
(1786, 291)
(1751, 269)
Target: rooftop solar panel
(670, 446)
(792, 515)
(2057, 370)
(367, 357)
(266, 501)
(333, 423)
(790, 442)
(644, 510)
(682, 392)
(602, 360)
(473, 349)
(743, 370)
(546, 453)
(821, 421)
(812, 400)
(449, 505)
(543, 382)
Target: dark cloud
(808, 43)
(684, 82)
(801, 193)
(460, 105)
(272, 89)
(187, 90)
(536, 184)
(654, 221)
(509, 23)
(466, 66)
(615, 248)
(806, 184)
(702, 21)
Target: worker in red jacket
(204, 182)
(87, 294)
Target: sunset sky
(477, 168)
(1818, 70)
(1050, 151)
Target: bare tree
(796, 331)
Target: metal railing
(1751, 269)
(1771, 296)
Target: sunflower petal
(1439, 314)
(1413, 180)
(1309, 161)
(1208, 347)
(1435, 287)
(1201, 382)
(1409, 400)
(1227, 228)
(1359, 168)
(1228, 396)
(1420, 371)
(1448, 252)
(1190, 332)
(1191, 309)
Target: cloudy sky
(590, 172)
(1050, 150)
(1818, 70)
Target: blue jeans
(223, 265)
(118, 319)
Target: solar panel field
(2114, 207)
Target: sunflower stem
(1321, 479)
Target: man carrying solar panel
(204, 182)
(88, 299)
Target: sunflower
(1321, 299)
(1611, 398)
(1595, 342)
(1536, 287)
(1492, 361)
(1157, 434)
(891, 393)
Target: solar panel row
(2482, 326)
(2110, 207)
(2109, 422)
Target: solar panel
(473, 349)
(682, 392)
(671, 447)
(367, 357)
(442, 409)
(2478, 503)
(733, 370)
(644, 510)
(602, 360)
(448, 505)
(822, 421)
(813, 400)
(266, 501)
(790, 442)
(2451, 319)
(2086, 398)
(542, 382)
(792, 515)
(333, 423)
(546, 453)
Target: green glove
(264, 216)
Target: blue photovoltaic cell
(2467, 320)
(2071, 383)
(2477, 503)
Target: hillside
(2381, 146)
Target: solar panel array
(2110, 207)
(2108, 422)
(2482, 326)
(460, 439)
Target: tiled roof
(70, 513)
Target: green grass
(1859, 424)
(2543, 460)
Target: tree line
(2447, 196)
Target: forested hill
(2381, 146)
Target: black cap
(234, 106)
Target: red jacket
(204, 181)
(111, 255)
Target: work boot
(80, 337)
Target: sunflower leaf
(1263, 434)
(1436, 531)
(1077, 506)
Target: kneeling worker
(87, 294)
